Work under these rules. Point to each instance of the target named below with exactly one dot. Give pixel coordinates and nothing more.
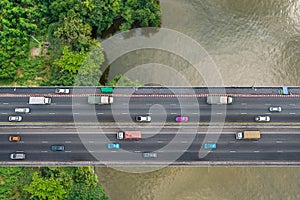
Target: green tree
(44, 188)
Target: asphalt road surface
(169, 144)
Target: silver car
(275, 109)
(17, 156)
(150, 155)
(22, 110)
(143, 118)
(262, 118)
(13, 118)
(62, 91)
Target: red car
(182, 119)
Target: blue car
(57, 147)
(113, 146)
(210, 146)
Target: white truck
(39, 100)
(219, 100)
(100, 100)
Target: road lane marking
(279, 151)
(292, 113)
(232, 151)
(243, 113)
(195, 113)
(148, 113)
(91, 151)
(183, 141)
(256, 151)
(91, 142)
(268, 113)
(5, 103)
(159, 141)
(76, 113)
(292, 104)
(51, 113)
(267, 104)
(219, 113)
(4, 113)
(278, 141)
(100, 113)
(173, 113)
(45, 142)
(68, 151)
(44, 151)
(124, 113)
(113, 151)
(137, 151)
(68, 142)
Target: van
(22, 110)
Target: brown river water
(251, 42)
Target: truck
(100, 100)
(129, 135)
(248, 135)
(219, 100)
(39, 100)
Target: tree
(44, 188)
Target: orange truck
(129, 135)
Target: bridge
(85, 130)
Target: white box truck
(39, 100)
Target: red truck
(129, 135)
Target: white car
(15, 118)
(262, 118)
(17, 156)
(143, 118)
(62, 91)
(22, 110)
(275, 109)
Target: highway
(280, 145)
(172, 141)
(162, 110)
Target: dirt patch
(35, 51)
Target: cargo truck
(39, 100)
(219, 100)
(129, 135)
(248, 135)
(100, 100)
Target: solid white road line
(44, 142)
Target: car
(143, 118)
(13, 118)
(113, 146)
(57, 147)
(275, 109)
(182, 119)
(17, 156)
(14, 138)
(210, 146)
(262, 118)
(22, 110)
(62, 91)
(150, 155)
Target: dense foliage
(55, 183)
(44, 42)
